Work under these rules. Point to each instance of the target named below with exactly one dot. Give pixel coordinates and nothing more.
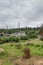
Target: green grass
(11, 50)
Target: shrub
(37, 45)
(2, 40)
(26, 53)
(41, 46)
(11, 45)
(27, 44)
(41, 38)
(19, 46)
(17, 39)
(32, 36)
(32, 44)
(3, 54)
(24, 37)
(14, 39)
(9, 39)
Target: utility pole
(6, 28)
(19, 25)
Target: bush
(26, 53)
(33, 36)
(9, 39)
(2, 40)
(11, 45)
(41, 38)
(3, 54)
(37, 45)
(24, 37)
(14, 39)
(17, 39)
(41, 46)
(27, 44)
(19, 46)
(31, 44)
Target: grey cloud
(36, 12)
(27, 12)
(4, 4)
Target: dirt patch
(1, 61)
(40, 62)
(31, 61)
(1, 49)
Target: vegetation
(14, 50)
(41, 32)
(9, 39)
(24, 37)
(27, 54)
(20, 46)
(10, 31)
(41, 38)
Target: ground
(32, 61)
(12, 55)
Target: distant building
(19, 33)
(2, 34)
(7, 34)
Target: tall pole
(19, 25)
(7, 28)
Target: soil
(20, 61)
(1, 61)
(31, 61)
(1, 49)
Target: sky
(29, 13)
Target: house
(19, 33)
(1, 34)
(16, 34)
(7, 35)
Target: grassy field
(15, 50)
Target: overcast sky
(27, 12)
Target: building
(19, 33)
(1, 34)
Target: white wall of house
(19, 34)
(15, 34)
